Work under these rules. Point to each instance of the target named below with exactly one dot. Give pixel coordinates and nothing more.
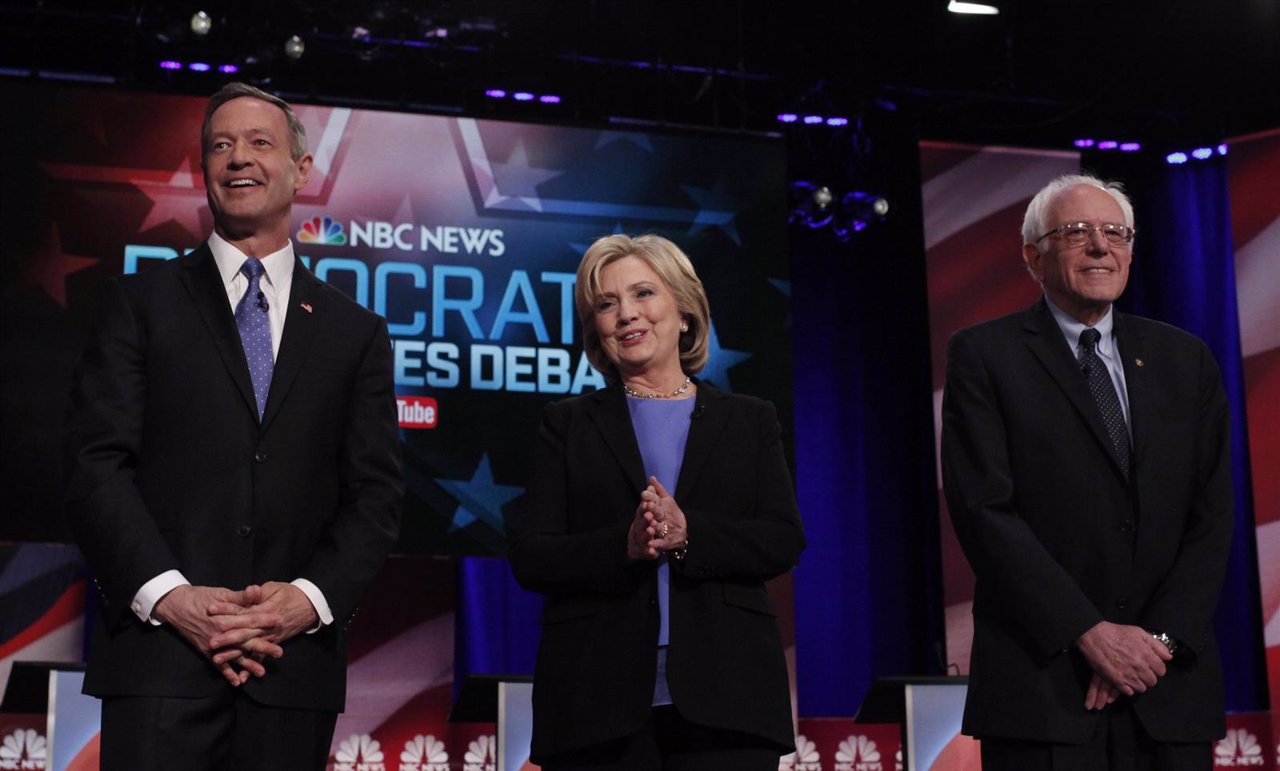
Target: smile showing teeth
(632, 335)
(241, 183)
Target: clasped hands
(659, 525)
(1125, 659)
(237, 630)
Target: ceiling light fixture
(976, 9)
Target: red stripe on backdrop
(1254, 167)
(69, 607)
(938, 157)
(1262, 385)
(976, 275)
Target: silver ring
(665, 529)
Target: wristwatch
(1167, 642)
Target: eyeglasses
(1079, 233)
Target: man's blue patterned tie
(254, 323)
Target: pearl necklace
(684, 387)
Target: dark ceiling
(1038, 74)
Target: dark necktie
(254, 323)
(1104, 393)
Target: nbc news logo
(325, 231)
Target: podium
(507, 701)
(930, 710)
(73, 720)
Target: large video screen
(464, 233)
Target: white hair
(1034, 225)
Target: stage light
(198, 67)
(1083, 143)
(522, 96)
(812, 120)
(295, 47)
(810, 204)
(788, 117)
(170, 64)
(1222, 149)
(496, 93)
(228, 69)
(1130, 147)
(1176, 158)
(1202, 153)
(837, 121)
(816, 206)
(1108, 144)
(549, 99)
(977, 9)
(201, 23)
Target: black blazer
(168, 468)
(1059, 541)
(598, 656)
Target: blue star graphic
(517, 179)
(715, 209)
(637, 139)
(719, 361)
(479, 498)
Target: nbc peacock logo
(23, 749)
(858, 753)
(359, 752)
(479, 755)
(325, 231)
(424, 753)
(805, 758)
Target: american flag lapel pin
(1140, 362)
(306, 307)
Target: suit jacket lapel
(203, 282)
(705, 428)
(608, 412)
(299, 329)
(1044, 338)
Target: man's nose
(1097, 244)
(239, 154)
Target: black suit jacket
(598, 655)
(1059, 541)
(169, 468)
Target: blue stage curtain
(868, 595)
(496, 628)
(1184, 274)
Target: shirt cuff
(153, 591)
(317, 601)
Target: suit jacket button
(1122, 603)
(244, 531)
(260, 456)
(1126, 526)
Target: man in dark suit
(234, 475)
(1085, 463)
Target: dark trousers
(1119, 743)
(668, 742)
(227, 732)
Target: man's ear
(1031, 256)
(304, 173)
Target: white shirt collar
(1071, 328)
(278, 265)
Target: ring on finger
(665, 529)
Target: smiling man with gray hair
(1086, 468)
